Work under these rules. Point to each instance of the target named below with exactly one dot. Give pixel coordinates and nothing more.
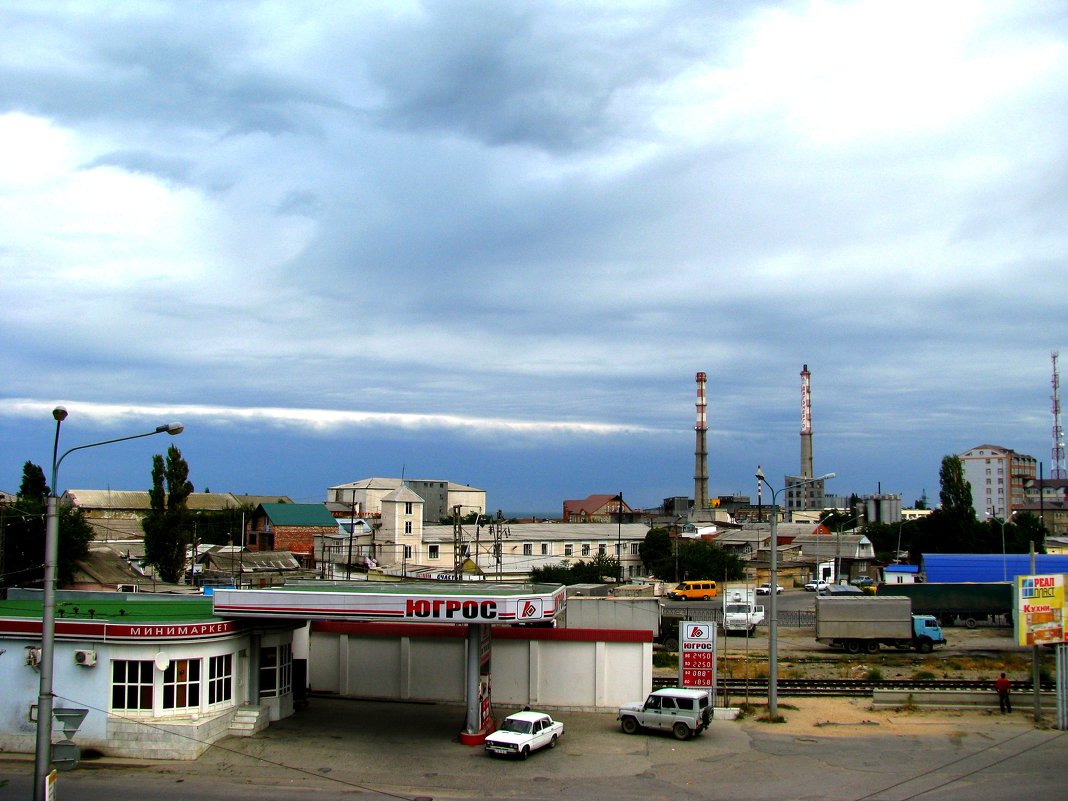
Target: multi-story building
(363, 498)
(997, 476)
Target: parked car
(765, 589)
(683, 712)
(524, 732)
(863, 581)
(816, 586)
(703, 590)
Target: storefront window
(131, 685)
(276, 670)
(220, 678)
(181, 684)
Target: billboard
(1039, 617)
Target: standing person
(1003, 685)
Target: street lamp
(1004, 565)
(773, 620)
(43, 754)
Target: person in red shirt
(1003, 685)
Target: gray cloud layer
(542, 211)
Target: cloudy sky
(493, 242)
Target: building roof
(299, 514)
(403, 494)
(105, 566)
(591, 503)
(379, 483)
(232, 560)
(983, 567)
(138, 500)
(160, 609)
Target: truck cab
(740, 611)
(926, 628)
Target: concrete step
(248, 720)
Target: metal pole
(43, 754)
(619, 537)
(773, 614)
(773, 577)
(1035, 659)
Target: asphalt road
(336, 749)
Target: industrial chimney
(700, 470)
(806, 423)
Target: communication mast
(1057, 469)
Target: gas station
(478, 607)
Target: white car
(765, 589)
(524, 732)
(816, 586)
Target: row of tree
(170, 527)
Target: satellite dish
(162, 661)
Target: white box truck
(740, 611)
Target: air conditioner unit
(33, 656)
(85, 657)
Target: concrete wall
(613, 613)
(569, 669)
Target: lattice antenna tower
(1058, 469)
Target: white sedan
(765, 589)
(817, 586)
(524, 732)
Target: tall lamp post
(619, 535)
(1002, 522)
(773, 580)
(43, 754)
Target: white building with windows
(364, 497)
(157, 678)
(997, 476)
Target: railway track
(847, 688)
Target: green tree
(655, 549)
(595, 571)
(956, 492)
(167, 525)
(23, 525)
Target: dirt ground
(853, 717)
(977, 654)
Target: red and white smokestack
(700, 472)
(806, 422)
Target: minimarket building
(166, 676)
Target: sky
(493, 242)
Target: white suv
(683, 712)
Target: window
(181, 684)
(602, 549)
(585, 549)
(407, 507)
(528, 549)
(407, 551)
(220, 678)
(276, 670)
(569, 549)
(131, 685)
(432, 551)
(407, 526)
(545, 549)
(634, 549)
